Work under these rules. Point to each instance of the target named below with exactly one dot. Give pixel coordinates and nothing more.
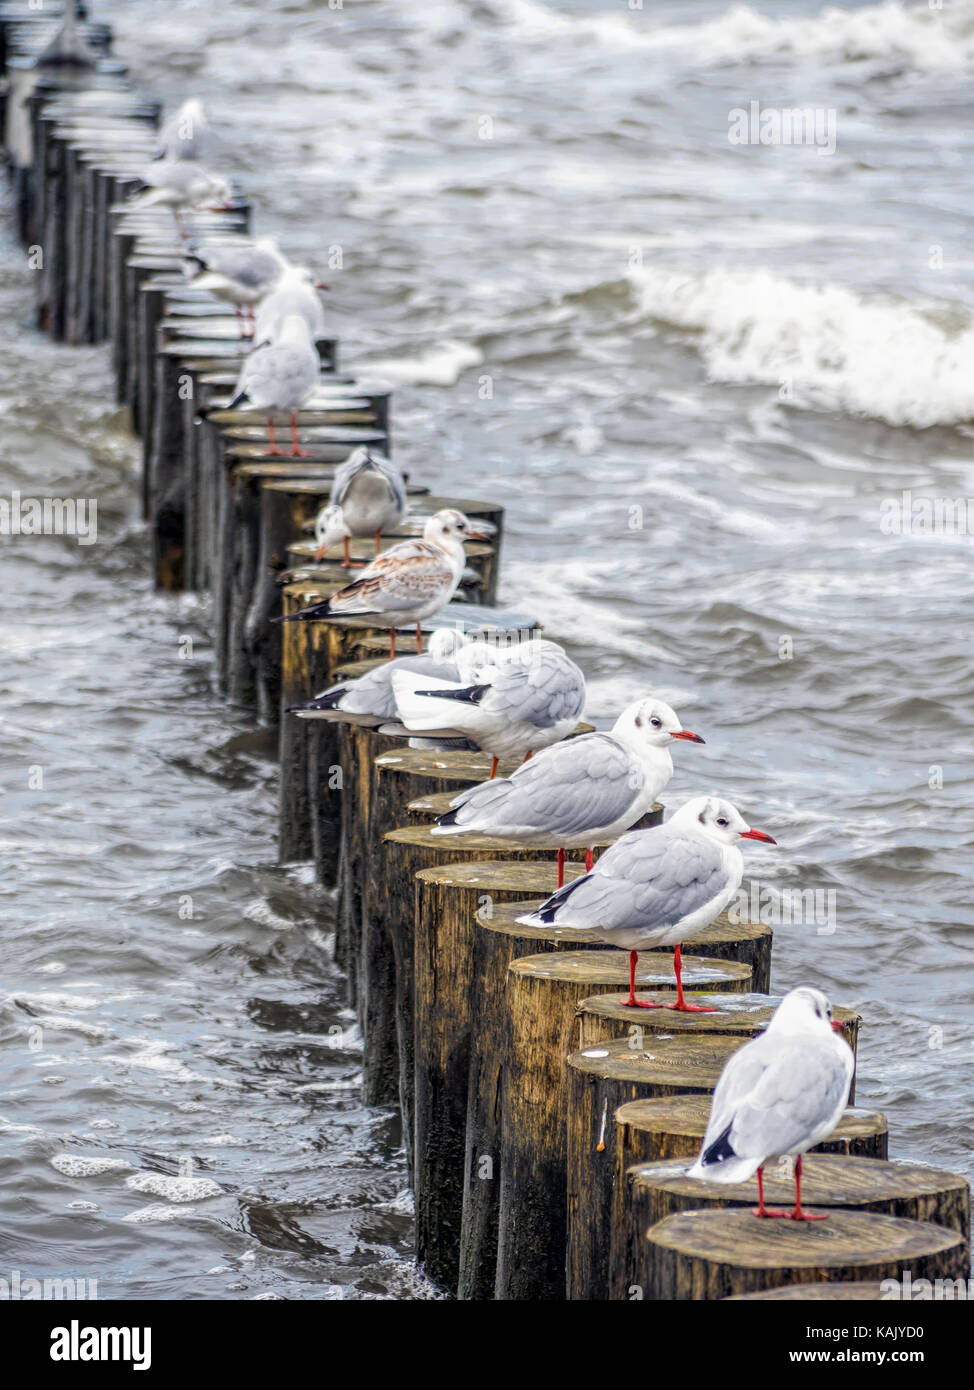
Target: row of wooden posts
(547, 1130)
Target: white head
(444, 644)
(803, 1010)
(217, 194)
(718, 820)
(651, 723)
(449, 529)
(330, 529)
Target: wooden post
(743, 1015)
(544, 992)
(715, 1254)
(600, 1079)
(908, 1190)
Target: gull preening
(240, 272)
(184, 134)
(778, 1097)
(280, 376)
(657, 887)
(519, 700)
(294, 292)
(368, 496)
(574, 794)
(405, 584)
(369, 700)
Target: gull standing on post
(239, 272)
(577, 793)
(295, 292)
(657, 887)
(521, 699)
(182, 185)
(368, 497)
(184, 135)
(778, 1097)
(405, 584)
(280, 376)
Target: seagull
(523, 698)
(280, 376)
(240, 272)
(777, 1097)
(184, 135)
(405, 584)
(368, 496)
(577, 793)
(294, 292)
(180, 184)
(657, 887)
(369, 701)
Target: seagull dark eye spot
(656, 723)
(721, 820)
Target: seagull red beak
(476, 536)
(690, 738)
(836, 1026)
(758, 835)
(320, 285)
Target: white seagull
(574, 794)
(657, 887)
(368, 700)
(368, 497)
(779, 1096)
(405, 584)
(240, 272)
(185, 133)
(280, 376)
(182, 185)
(521, 699)
(294, 292)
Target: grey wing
(409, 575)
(397, 484)
(651, 880)
(344, 474)
(803, 1087)
(373, 693)
(543, 691)
(567, 789)
(248, 264)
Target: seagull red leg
(561, 868)
(419, 639)
(378, 542)
(493, 769)
(296, 451)
(632, 1001)
(392, 644)
(347, 562)
(798, 1214)
(272, 446)
(589, 861)
(681, 1005)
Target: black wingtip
(450, 818)
(472, 695)
(238, 399)
(718, 1150)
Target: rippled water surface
(696, 373)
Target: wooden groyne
(547, 1125)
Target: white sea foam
(174, 1189)
(924, 38)
(441, 365)
(88, 1165)
(831, 347)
